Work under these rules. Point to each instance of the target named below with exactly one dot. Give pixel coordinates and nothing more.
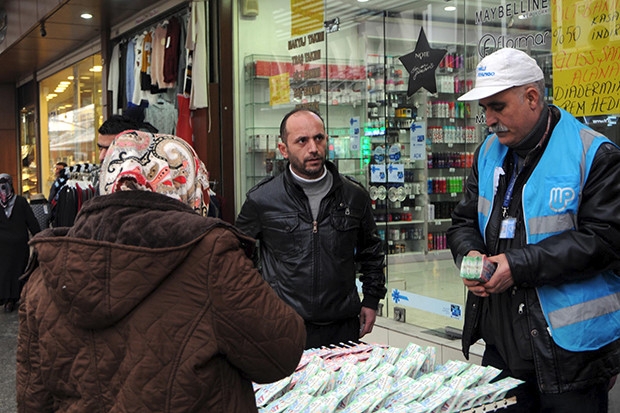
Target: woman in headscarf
(16, 220)
(145, 305)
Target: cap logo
(483, 73)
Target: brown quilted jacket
(144, 306)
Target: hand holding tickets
(478, 268)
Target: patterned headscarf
(7, 198)
(164, 164)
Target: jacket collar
(290, 180)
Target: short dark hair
(292, 112)
(63, 164)
(116, 124)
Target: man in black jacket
(542, 202)
(314, 226)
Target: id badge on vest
(508, 228)
(509, 224)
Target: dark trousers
(341, 331)
(530, 400)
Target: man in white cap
(542, 202)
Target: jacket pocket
(523, 331)
(280, 235)
(347, 222)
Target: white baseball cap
(501, 70)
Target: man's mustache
(498, 127)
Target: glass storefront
(386, 76)
(71, 112)
(29, 152)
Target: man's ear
(283, 150)
(533, 96)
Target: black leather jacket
(312, 265)
(520, 330)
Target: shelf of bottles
(430, 138)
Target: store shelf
(430, 173)
(338, 87)
(433, 182)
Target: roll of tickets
(478, 268)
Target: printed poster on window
(586, 56)
(279, 89)
(307, 16)
(354, 133)
(417, 141)
(377, 173)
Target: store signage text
(586, 56)
(489, 43)
(303, 72)
(302, 41)
(528, 8)
(592, 86)
(302, 58)
(595, 10)
(307, 91)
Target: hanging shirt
(171, 53)
(137, 68)
(158, 50)
(114, 77)
(197, 44)
(129, 75)
(145, 69)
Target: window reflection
(70, 115)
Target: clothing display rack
(150, 70)
(79, 187)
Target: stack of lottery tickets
(370, 378)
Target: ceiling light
(86, 16)
(449, 8)
(362, 1)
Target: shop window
(28, 141)
(71, 112)
(380, 122)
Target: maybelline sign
(489, 42)
(526, 8)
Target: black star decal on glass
(421, 65)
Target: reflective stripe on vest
(582, 315)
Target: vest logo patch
(559, 198)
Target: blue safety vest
(582, 315)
